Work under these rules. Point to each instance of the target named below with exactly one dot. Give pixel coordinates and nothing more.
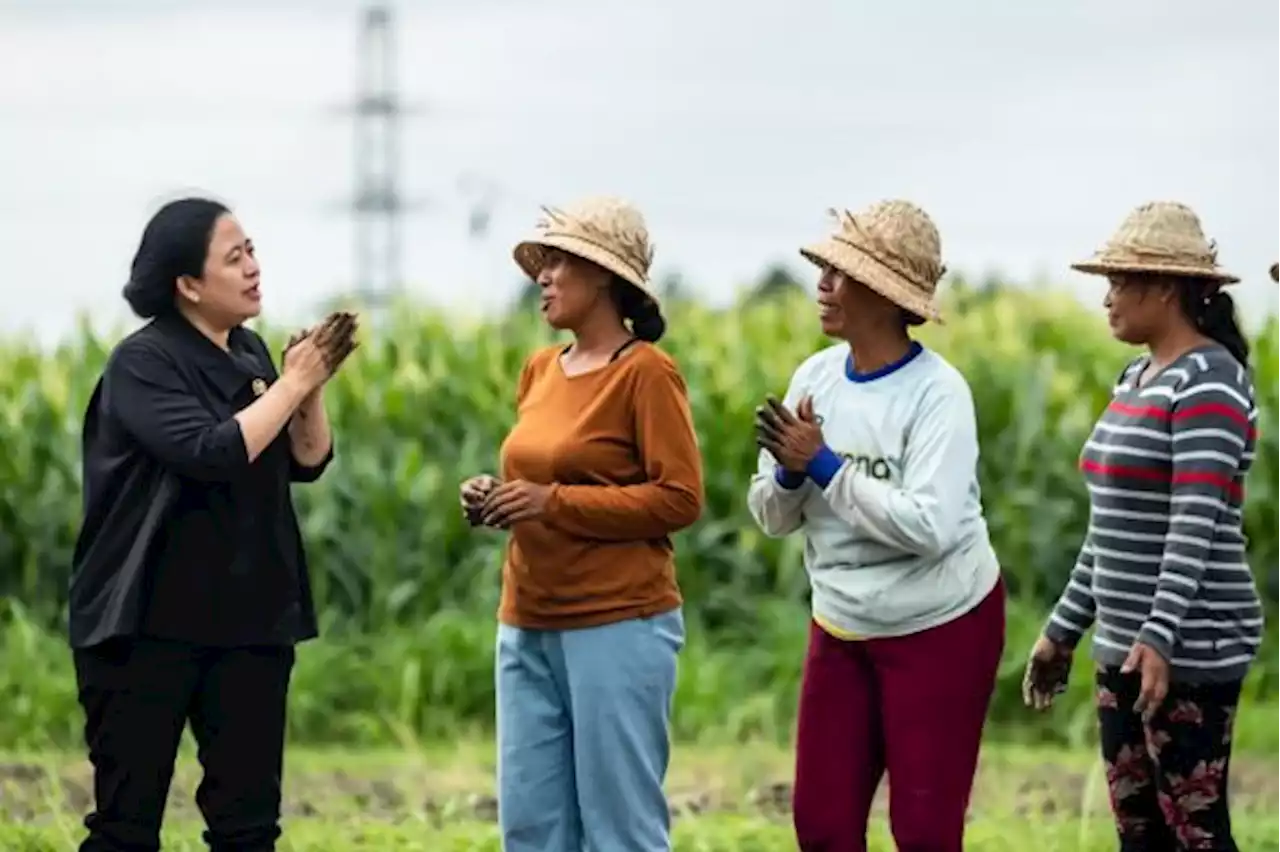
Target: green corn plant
(426, 402)
(408, 590)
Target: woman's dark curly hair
(639, 309)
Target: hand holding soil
(334, 336)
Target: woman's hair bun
(175, 242)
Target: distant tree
(530, 295)
(991, 284)
(776, 281)
(672, 287)
(478, 222)
(965, 294)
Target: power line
(378, 205)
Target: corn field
(425, 403)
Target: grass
(725, 798)
(433, 681)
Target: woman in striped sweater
(1162, 574)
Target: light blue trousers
(583, 741)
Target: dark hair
(638, 308)
(1214, 313)
(174, 243)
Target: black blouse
(182, 537)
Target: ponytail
(1214, 313)
(639, 309)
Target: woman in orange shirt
(600, 469)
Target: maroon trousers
(912, 705)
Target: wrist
(789, 479)
(824, 466)
(314, 398)
(1064, 640)
(552, 505)
(294, 389)
(1154, 636)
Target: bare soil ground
(457, 785)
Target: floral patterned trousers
(1168, 779)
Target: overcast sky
(1028, 130)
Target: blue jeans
(583, 740)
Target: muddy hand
(472, 494)
(336, 336)
(474, 490)
(296, 338)
(1046, 675)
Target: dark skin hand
(513, 502)
(472, 494)
(1155, 678)
(792, 439)
(1046, 674)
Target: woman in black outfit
(189, 588)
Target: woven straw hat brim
(866, 269)
(1103, 266)
(530, 255)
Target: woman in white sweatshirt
(872, 455)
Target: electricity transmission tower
(378, 204)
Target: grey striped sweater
(1163, 562)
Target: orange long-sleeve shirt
(618, 449)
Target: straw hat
(1161, 237)
(892, 247)
(604, 230)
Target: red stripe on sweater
(1139, 410)
(1218, 409)
(1226, 483)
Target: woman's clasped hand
(315, 354)
(489, 502)
(472, 493)
(792, 439)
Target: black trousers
(1168, 779)
(139, 694)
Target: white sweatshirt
(895, 540)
